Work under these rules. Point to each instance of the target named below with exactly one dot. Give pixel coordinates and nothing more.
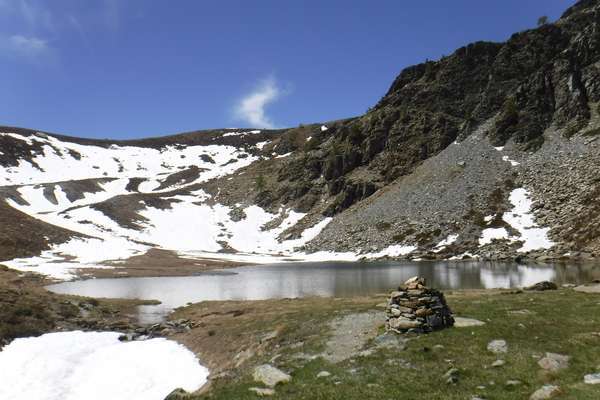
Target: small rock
(544, 285)
(545, 392)
(269, 375)
(592, 379)
(595, 288)
(460, 322)
(403, 323)
(497, 346)
(498, 363)
(263, 392)
(366, 353)
(452, 376)
(414, 282)
(554, 362)
(513, 383)
(389, 340)
(323, 374)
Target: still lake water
(329, 279)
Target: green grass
(560, 321)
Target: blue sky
(135, 68)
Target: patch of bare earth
(229, 333)
(350, 333)
(158, 262)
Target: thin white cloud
(251, 108)
(30, 48)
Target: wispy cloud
(251, 108)
(112, 14)
(30, 48)
(35, 15)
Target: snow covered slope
(87, 189)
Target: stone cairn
(415, 308)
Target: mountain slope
(490, 152)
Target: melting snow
(512, 162)
(522, 220)
(489, 234)
(445, 243)
(116, 161)
(396, 250)
(96, 365)
(240, 133)
(324, 128)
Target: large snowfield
(96, 366)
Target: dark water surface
(331, 279)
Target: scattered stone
(513, 382)
(498, 346)
(415, 308)
(592, 379)
(365, 353)
(389, 340)
(498, 363)
(269, 336)
(263, 392)
(521, 312)
(541, 286)
(545, 392)
(269, 375)
(460, 322)
(323, 374)
(588, 288)
(452, 376)
(554, 362)
(568, 285)
(439, 347)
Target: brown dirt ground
(230, 332)
(158, 262)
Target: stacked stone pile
(415, 308)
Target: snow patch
(324, 128)
(489, 234)
(396, 250)
(96, 365)
(512, 162)
(521, 219)
(445, 243)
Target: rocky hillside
(490, 152)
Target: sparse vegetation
(559, 321)
(260, 183)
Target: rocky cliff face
(488, 152)
(540, 86)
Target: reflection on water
(331, 279)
